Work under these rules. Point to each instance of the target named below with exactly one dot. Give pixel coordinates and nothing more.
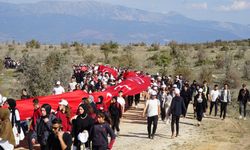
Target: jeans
(154, 120)
(213, 104)
(223, 109)
(242, 106)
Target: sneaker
(152, 136)
(149, 136)
(172, 137)
(240, 117)
(245, 118)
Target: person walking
(177, 109)
(43, 127)
(64, 113)
(153, 111)
(186, 95)
(200, 105)
(15, 120)
(115, 111)
(36, 114)
(59, 140)
(58, 89)
(83, 122)
(99, 134)
(243, 97)
(214, 97)
(225, 98)
(7, 139)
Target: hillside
(95, 22)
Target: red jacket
(65, 121)
(36, 115)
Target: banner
(26, 108)
(112, 71)
(131, 86)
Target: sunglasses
(55, 128)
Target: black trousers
(163, 113)
(137, 99)
(44, 147)
(99, 147)
(215, 105)
(130, 100)
(223, 109)
(175, 120)
(186, 104)
(29, 138)
(152, 120)
(115, 123)
(243, 106)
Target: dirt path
(213, 134)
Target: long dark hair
(12, 107)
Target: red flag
(131, 86)
(112, 71)
(128, 74)
(26, 108)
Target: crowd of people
(90, 128)
(10, 63)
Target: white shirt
(58, 90)
(6, 145)
(72, 86)
(121, 101)
(225, 96)
(214, 95)
(16, 114)
(152, 109)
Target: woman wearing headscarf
(7, 140)
(200, 105)
(14, 119)
(43, 127)
(82, 122)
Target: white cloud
(236, 5)
(199, 5)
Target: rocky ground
(213, 134)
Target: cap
(177, 91)
(63, 102)
(3, 100)
(153, 93)
(58, 82)
(163, 86)
(200, 90)
(174, 86)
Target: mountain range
(90, 21)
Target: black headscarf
(85, 110)
(47, 108)
(12, 107)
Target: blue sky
(237, 11)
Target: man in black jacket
(243, 97)
(177, 109)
